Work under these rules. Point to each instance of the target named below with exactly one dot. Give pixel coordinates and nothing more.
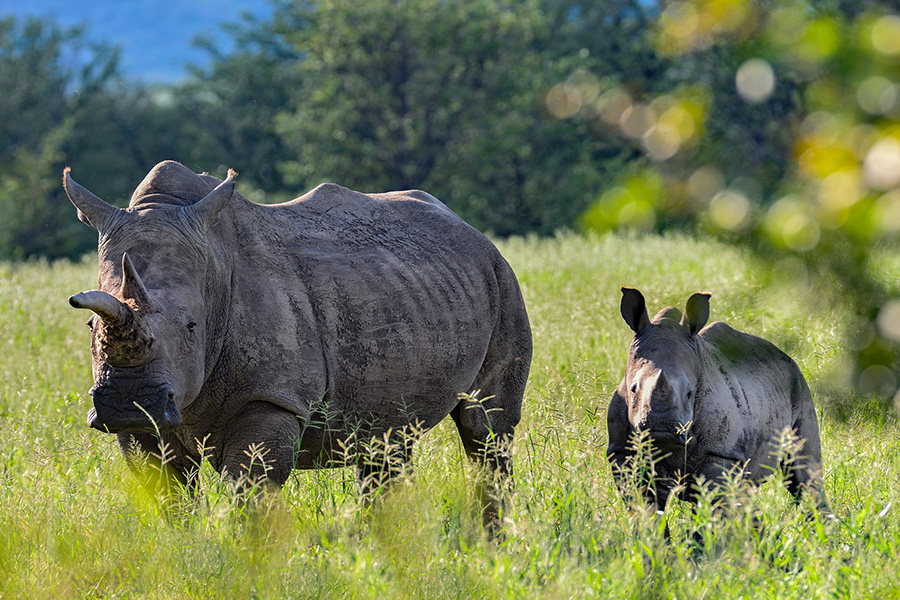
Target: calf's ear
(634, 310)
(696, 312)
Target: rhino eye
(191, 326)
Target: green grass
(75, 524)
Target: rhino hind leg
(804, 472)
(486, 422)
(383, 459)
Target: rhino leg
(804, 470)
(260, 445)
(161, 468)
(486, 426)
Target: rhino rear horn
(132, 287)
(696, 313)
(92, 210)
(206, 210)
(634, 310)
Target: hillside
(154, 35)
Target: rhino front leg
(162, 468)
(260, 445)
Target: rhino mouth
(668, 434)
(668, 438)
(109, 415)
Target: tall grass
(75, 524)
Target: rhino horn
(132, 287)
(206, 210)
(662, 383)
(123, 336)
(92, 210)
(109, 308)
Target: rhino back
(383, 303)
(750, 392)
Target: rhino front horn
(123, 336)
(106, 306)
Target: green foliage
(794, 154)
(443, 96)
(37, 70)
(75, 525)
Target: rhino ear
(206, 210)
(92, 211)
(696, 313)
(634, 310)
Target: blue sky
(154, 35)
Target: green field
(75, 524)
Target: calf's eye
(634, 388)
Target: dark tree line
(444, 96)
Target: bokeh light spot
(886, 35)
(889, 320)
(755, 80)
(662, 141)
(877, 95)
(838, 192)
(881, 166)
(886, 213)
(637, 120)
(612, 104)
(801, 233)
(877, 380)
(730, 210)
(789, 224)
(562, 101)
(705, 183)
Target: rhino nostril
(170, 393)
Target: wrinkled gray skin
(297, 327)
(735, 391)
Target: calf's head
(663, 368)
(149, 327)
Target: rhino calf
(712, 400)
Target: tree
(796, 152)
(441, 95)
(40, 66)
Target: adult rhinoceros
(293, 328)
(712, 400)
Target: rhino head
(663, 369)
(148, 334)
